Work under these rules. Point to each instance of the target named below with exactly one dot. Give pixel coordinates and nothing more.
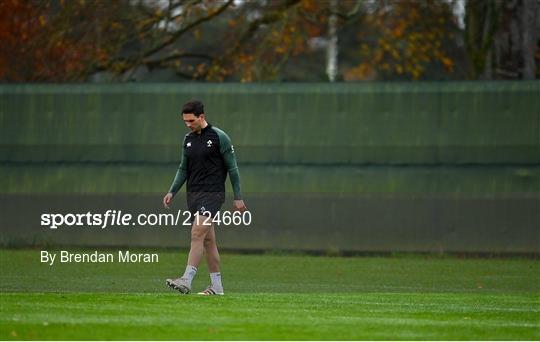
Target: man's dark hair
(193, 107)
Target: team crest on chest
(209, 143)
(188, 144)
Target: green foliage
(254, 41)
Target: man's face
(192, 122)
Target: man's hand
(238, 205)
(167, 200)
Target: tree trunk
(529, 36)
(332, 47)
(481, 20)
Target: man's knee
(198, 233)
(208, 241)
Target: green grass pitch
(273, 297)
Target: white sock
(216, 280)
(189, 274)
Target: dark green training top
(206, 159)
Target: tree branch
(130, 62)
(180, 32)
(266, 19)
(159, 62)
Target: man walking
(207, 157)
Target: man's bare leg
(211, 251)
(198, 234)
(213, 261)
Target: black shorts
(204, 203)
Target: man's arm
(227, 151)
(179, 179)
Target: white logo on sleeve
(209, 143)
(188, 144)
(232, 148)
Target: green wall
(353, 124)
(476, 145)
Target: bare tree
(332, 47)
(502, 38)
